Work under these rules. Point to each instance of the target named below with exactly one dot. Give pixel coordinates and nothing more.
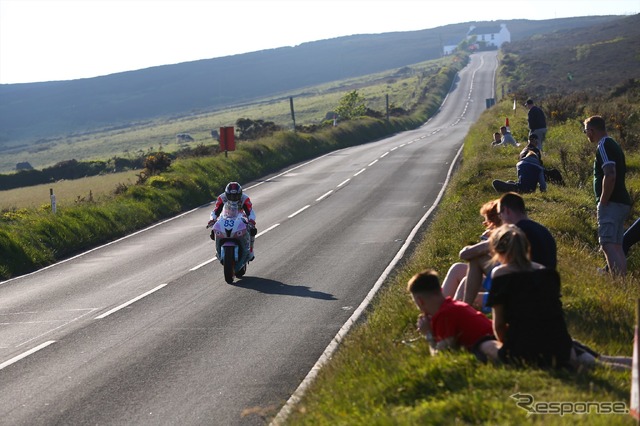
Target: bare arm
(499, 324)
(445, 344)
(478, 249)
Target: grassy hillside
(311, 106)
(383, 372)
(591, 58)
(38, 113)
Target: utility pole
(293, 114)
(387, 98)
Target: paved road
(146, 331)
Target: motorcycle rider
(233, 192)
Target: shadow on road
(264, 285)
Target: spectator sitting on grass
(448, 323)
(476, 257)
(496, 139)
(511, 209)
(531, 146)
(530, 174)
(507, 137)
(528, 319)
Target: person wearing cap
(537, 121)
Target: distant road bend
(145, 330)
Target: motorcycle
(231, 233)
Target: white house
(490, 35)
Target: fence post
(53, 200)
(635, 372)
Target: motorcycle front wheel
(242, 271)
(229, 264)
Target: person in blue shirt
(530, 174)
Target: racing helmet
(233, 191)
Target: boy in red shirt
(448, 323)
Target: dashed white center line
(124, 305)
(268, 229)
(195, 268)
(299, 211)
(26, 354)
(324, 196)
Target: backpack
(553, 175)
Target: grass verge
(383, 372)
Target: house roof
(493, 29)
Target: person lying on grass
(451, 324)
(448, 323)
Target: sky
(47, 40)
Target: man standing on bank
(537, 122)
(614, 202)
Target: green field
(67, 192)
(311, 105)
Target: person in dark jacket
(530, 174)
(531, 146)
(537, 121)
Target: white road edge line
(290, 170)
(103, 246)
(124, 305)
(286, 410)
(26, 354)
(162, 222)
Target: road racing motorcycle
(231, 233)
